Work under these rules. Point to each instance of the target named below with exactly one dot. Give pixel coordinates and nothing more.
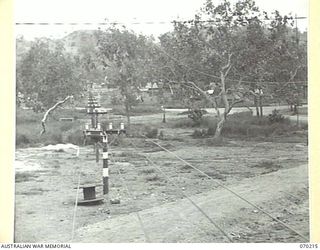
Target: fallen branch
(44, 119)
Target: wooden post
(105, 158)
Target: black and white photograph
(161, 121)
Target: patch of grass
(146, 109)
(206, 121)
(75, 137)
(22, 139)
(152, 132)
(185, 167)
(217, 142)
(24, 176)
(56, 138)
(216, 175)
(66, 126)
(183, 123)
(24, 116)
(268, 166)
(138, 130)
(28, 128)
(246, 125)
(139, 109)
(148, 171)
(34, 191)
(152, 178)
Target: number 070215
(308, 245)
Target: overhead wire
(228, 189)
(185, 195)
(137, 22)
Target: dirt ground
(273, 175)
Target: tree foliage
(128, 58)
(45, 74)
(227, 55)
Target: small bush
(196, 115)
(161, 135)
(240, 115)
(145, 109)
(276, 117)
(268, 166)
(183, 123)
(56, 138)
(152, 178)
(217, 142)
(147, 171)
(22, 139)
(75, 137)
(198, 133)
(116, 100)
(245, 125)
(23, 176)
(211, 130)
(24, 116)
(66, 127)
(206, 121)
(152, 133)
(185, 167)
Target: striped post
(105, 158)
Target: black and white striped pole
(105, 159)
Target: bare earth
(273, 176)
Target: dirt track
(272, 175)
(181, 222)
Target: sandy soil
(272, 175)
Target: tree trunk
(256, 105)
(224, 98)
(219, 128)
(127, 113)
(261, 107)
(295, 109)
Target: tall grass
(239, 125)
(28, 128)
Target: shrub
(152, 132)
(267, 166)
(211, 130)
(275, 117)
(152, 178)
(145, 109)
(24, 176)
(183, 123)
(246, 125)
(76, 137)
(56, 138)
(196, 115)
(65, 127)
(199, 133)
(24, 116)
(161, 135)
(206, 121)
(240, 115)
(116, 100)
(22, 139)
(147, 171)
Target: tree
(125, 54)
(289, 60)
(231, 51)
(219, 48)
(46, 74)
